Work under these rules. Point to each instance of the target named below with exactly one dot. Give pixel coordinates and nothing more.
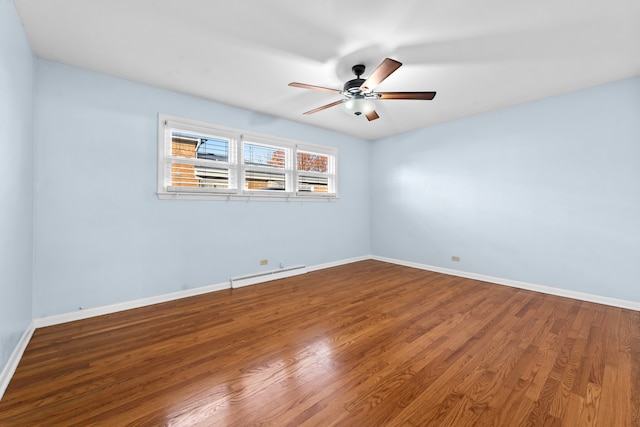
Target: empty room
(238, 213)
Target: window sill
(245, 197)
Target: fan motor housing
(353, 86)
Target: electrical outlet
(455, 258)
(264, 261)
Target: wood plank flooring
(365, 344)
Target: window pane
(264, 181)
(313, 184)
(194, 146)
(263, 155)
(184, 175)
(312, 162)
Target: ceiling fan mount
(359, 92)
(358, 70)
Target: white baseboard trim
(127, 305)
(142, 302)
(614, 302)
(14, 359)
(338, 263)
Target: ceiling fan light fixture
(357, 106)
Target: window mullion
(239, 172)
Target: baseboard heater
(281, 273)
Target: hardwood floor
(364, 344)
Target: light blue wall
(546, 193)
(16, 183)
(101, 234)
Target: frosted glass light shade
(358, 106)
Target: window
(266, 167)
(198, 160)
(315, 172)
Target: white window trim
(238, 168)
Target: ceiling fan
(359, 92)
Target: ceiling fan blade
(383, 71)
(306, 86)
(407, 95)
(324, 107)
(372, 115)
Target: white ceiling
(478, 55)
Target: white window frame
(286, 171)
(236, 166)
(165, 149)
(331, 174)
